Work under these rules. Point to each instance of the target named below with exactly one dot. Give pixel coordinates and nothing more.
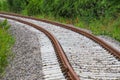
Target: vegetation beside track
(100, 16)
(6, 43)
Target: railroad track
(82, 66)
(65, 66)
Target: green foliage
(6, 42)
(65, 8)
(3, 5)
(5, 25)
(17, 5)
(86, 9)
(34, 7)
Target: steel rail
(108, 47)
(65, 65)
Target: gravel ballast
(89, 60)
(26, 64)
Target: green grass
(6, 42)
(105, 26)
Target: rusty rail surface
(65, 65)
(108, 47)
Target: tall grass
(6, 42)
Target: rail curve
(111, 49)
(65, 65)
